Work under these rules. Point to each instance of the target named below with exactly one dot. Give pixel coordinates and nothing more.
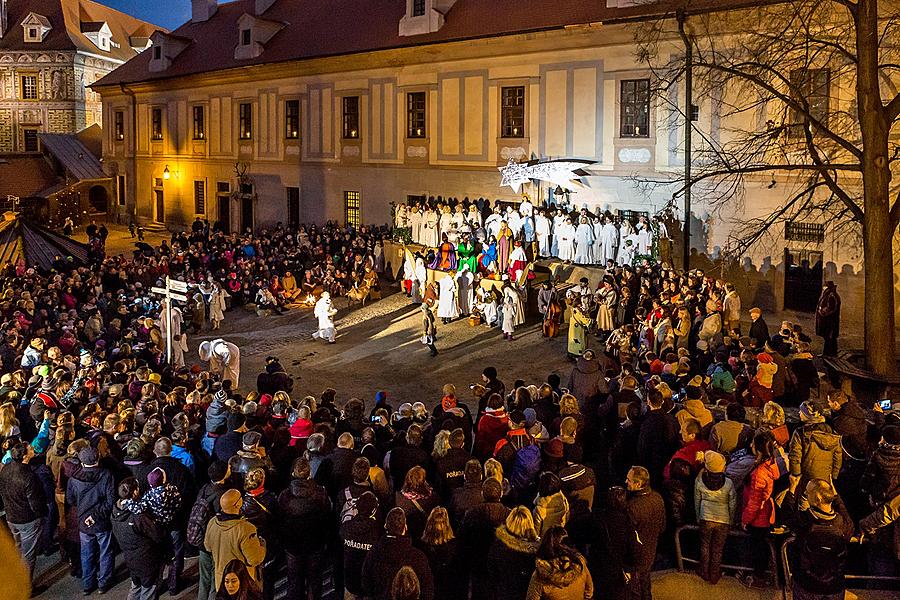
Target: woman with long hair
(560, 573)
(237, 584)
(441, 548)
(406, 585)
(416, 498)
(511, 557)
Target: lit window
(199, 123)
(156, 128)
(120, 125)
(415, 114)
(634, 119)
(813, 87)
(292, 119)
(245, 121)
(351, 117)
(29, 87)
(352, 216)
(513, 111)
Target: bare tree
(805, 90)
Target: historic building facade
(262, 111)
(50, 53)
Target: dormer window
(35, 28)
(424, 16)
(253, 35)
(98, 32)
(166, 48)
(245, 37)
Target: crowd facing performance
(683, 406)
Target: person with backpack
(823, 531)
(142, 539)
(92, 491)
(359, 534)
(230, 536)
(345, 503)
(203, 510)
(305, 524)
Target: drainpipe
(688, 116)
(132, 177)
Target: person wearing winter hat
(715, 502)
(92, 491)
(162, 500)
(814, 451)
(230, 536)
(880, 480)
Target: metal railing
(732, 534)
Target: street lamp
(166, 173)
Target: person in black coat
(759, 331)
(306, 519)
(478, 533)
(647, 513)
(469, 495)
(274, 378)
(450, 469)
(142, 540)
(359, 534)
(610, 535)
(92, 492)
(342, 459)
(25, 503)
(444, 558)
(406, 455)
(658, 438)
(389, 555)
(180, 476)
(510, 560)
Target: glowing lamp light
(166, 174)
(515, 131)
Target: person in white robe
(217, 305)
(559, 219)
(487, 306)
(473, 216)
(513, 309)
(448, 310)
(420, 278)
(324, 312)
(224, 359)
(598, 251)
(625, 230)
(644, 239)
(566, 234)
(458, 219)
(445, 224)
(514, 221)
(493, 222)
(610, 240)
(401, 216)
(430, 229)
(177, 320)
(415, 225)
(628, 249)
(584, 242)
(466, 294)
(542, 232)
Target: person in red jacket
(691, 447)
(758, 514)
(492, 427)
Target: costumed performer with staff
(224, 359)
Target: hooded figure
(224, 359)
(325, 311)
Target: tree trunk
(877, 230)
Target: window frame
(350, 118)
(352, 209)
(121, 190)
(156, 125)
(25, 139)
(417, 115)
(25, 89)
(291, 132)
(418, 8)
(803, 81)
(119, 125)
(507, 116)
(642, 106)
(246, 37)
(157, 52)
(198, 125)
(245, 121)
(200, 199)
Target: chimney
(203, 10)
(4, 17)
(262, 6)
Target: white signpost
(174, 290)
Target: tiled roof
(73, 155)
(66, 18)
(25, 176)
(319, 28)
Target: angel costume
(325, 311)
(610, 241)
(447, 308)
(566, 236)
(542, 231)
(224, 359)
(584, 243)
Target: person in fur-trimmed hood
(512, 554)
(560, 572)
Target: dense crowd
(564, 488)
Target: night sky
(165, 13)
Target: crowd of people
(567, 487)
